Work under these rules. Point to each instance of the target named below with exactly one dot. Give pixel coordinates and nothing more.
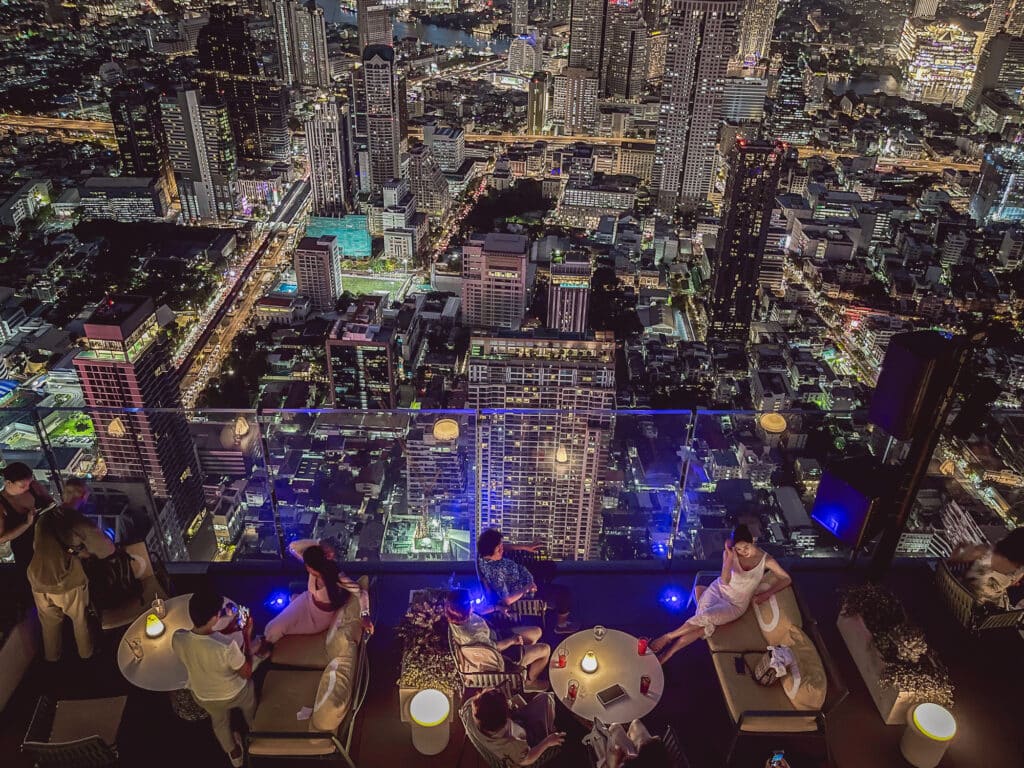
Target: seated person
(510, 581)
(519, 735)
(521, 644)
(993, 570)
(313, 611)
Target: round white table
(617, 662)
(158, 669)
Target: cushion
(776, 615)
(348, 623)
(304, 651)
(743, 694)
(334, 694)
(284, 693)
(477, 657)
(806, 684)
(738, 636)
(76, 719)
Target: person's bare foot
(671, 651)
(659, 644)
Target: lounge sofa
(790, 706)
(327, 673)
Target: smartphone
(741, 667)
(611, 694)
(243, 616)
(777, 759)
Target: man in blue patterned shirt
(509, 581)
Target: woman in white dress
(744, 567)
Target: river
(428, 33)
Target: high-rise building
(1015, 19)
(403, 226)
(538, 99)
(1000, 66)
(569, 292)
(625, 50)
(302, 43)
(330, 162)
(373, 23)
(520, 16)
(427, 182)
(494, 281)
(787, 115)
(657, 49)
(448, 146)
(141, 138)
(524, 55)
(925, 9)
(999, 195)
(317, 265)
(937, 61)
(751, 185)
(361, 362)
(586, 35)
(652, 10)
(383, 135)
(131, 388)
(201, 148)
(231, 71)
(541, 475)
(998, 14)
(575, 100)
(757, 23)
(743, 99)
(702, 37)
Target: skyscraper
(373, 23)
(702, 37)
(757, 23)
(787, 116)
(999, 195)
(317, 265)
(230, 71)
(1015, 19)
(1000, 66)
(925, 9)
(751, 185)
(330, 162)
(383, 136)
(201, 148)
(524, 56)
(361, 362)
(494, 281)
(937, 61)
(575, 100)
(282, 12)
(302, 42)
(126, 364)
(448, 146)
(520, 16)
(625, 73)
(427, 182)
(538, 98)
(569, 292)
(542, 474)
(141, 139)
(997, 18)
(586, 35)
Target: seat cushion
(77, 719)
(303, 651)
(738, 636)
(743, 694)
(334, 693)
(284, 693)
(806, 685)
(776, 615)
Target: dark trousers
(557, 596)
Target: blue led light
(277, 601)
(672, 598)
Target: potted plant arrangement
(892, 655)
(426, 658)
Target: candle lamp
(589, 662)
(154, 627)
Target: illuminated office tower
(625, 48)
(141, 138)
(1015, 19)
(201, 148)
(652, 10)
(569, 292)
(657, 48)
(542, 474)
(448, 146)
(787, 115)
(999, 195)
(126, 364)
(361, 363)
(439, 466)
(330, 165)
(1000, 66)
(538, 99)
(494, 281)
(373, 23)
(520, 16)
(427, 182)
(302, 43)
(925, 9)
(751, 185)
(586, 35)
(701, 40)
(383, 135)
(575, 100)
(995, 23)
(937, 61)
(524, 56)
(757, 23)
(317, 264)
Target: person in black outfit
(20, 500)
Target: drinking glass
(599, 632)
(641, 645)
(574, 689)
(136, 647)
(160, 608)
(562, 656)
(645, 685)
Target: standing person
(219, 671)
(63, 538)
(993, 570)
(509, 581)
(729, 596)
(313, 611)
(20, 500)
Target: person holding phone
(21, 500)
(219, 669)
(744, 566)
(515, 735)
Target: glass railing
(421, 485)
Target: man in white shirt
(219, 672)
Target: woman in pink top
(328, 590)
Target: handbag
(764, 673)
